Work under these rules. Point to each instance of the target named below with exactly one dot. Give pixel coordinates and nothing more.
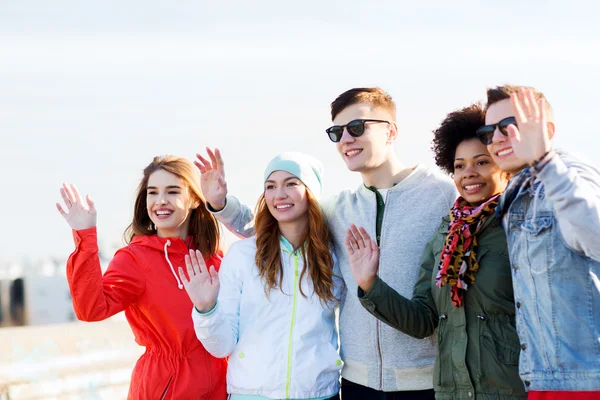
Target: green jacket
(478, 345)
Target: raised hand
(530, 141)
(79, 215)
(212, 182)
(363, 256)
(203, 285)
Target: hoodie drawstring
(179, 284)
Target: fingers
(533, 104)
(517, 109)
(348, 244)
(183, 277)
(65, 197)
(513, 133)
(525, 103)
(543, 114)
(374, 247)
(189, 266)
(70, 198)
(90, 203)
(212, 156)
(351, 239)
(60, 210)
(220, 162)
(358, 237)
(364, 234)
(203, 164)
(76, 193)
(214, 275)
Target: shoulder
(241, 248)
(578, 161)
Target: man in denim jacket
(551, 214)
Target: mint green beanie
(306, 168)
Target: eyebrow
(168, 187)
(285, 180)
(477, 156)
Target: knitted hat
(306, 168)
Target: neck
(386, 175)
(180, 232)
(293, 232)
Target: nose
(280, 193)
(161, 199)
(469, 171)
(498, 137)
(346, 137)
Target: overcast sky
(91, 91)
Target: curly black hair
(458, 126)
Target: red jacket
(140, 281)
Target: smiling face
(286, 198)
(501, 147)
(372, 149)
(476, 176)
(169, 204)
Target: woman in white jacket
(271, 306)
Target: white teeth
(283, 206)
(163, 213)
(352, 152)
(471, 187)
(505, 151)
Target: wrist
(368, 284)
(539, 162)
(216, 206)
(205, 308)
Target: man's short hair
(500, 93)
(375, 97)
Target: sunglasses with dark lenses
(486, 132)
(355, 128)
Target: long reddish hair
(203, 227)
(318, 261)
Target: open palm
(531, 139)
(363, 255)
(79, 215)
(212, 180)
(203, 285)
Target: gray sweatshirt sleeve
(574, 189)
(236, 217)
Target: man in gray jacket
(399, 206)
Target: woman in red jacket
(170, 217)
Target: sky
(91, 91)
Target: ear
(551, 129)
(393, 132)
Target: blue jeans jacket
(551, 216)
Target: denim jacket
(551, 215)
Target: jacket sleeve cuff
(374, 293)
(208, 313)
(551, 170)
(85, 239)
(227, 213)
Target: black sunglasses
(355, 128)
(486, 132)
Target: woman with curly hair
(271, 306)
(465, 287)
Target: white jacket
(284, 346)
